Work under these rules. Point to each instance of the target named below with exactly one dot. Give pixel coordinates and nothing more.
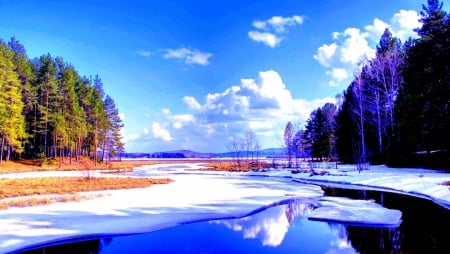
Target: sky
(198, 74)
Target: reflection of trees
(297, 209)
(375, 240)
(84, 247)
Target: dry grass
(69, 185)
(85, 163)
(229, 165)
(45, 200)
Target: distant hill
(188, 154)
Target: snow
(206, 195)
(355, 212)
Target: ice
(355, 212)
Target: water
(286, 229)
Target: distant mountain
(269, 152)
(188, 154)
(169, 155)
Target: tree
(250, 141)
(289, 142)
(26, 73)
(12, 122)
(422, 109)
(383, 76)
(235, 147)
(46, 86)
(112, 141)
(319, 132)
(358, 114)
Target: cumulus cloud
(189, 56)
(159, 131)
(269, 31)
(269, 39)
(353, 46)
(263, 104)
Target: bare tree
(249, 140)
(358, 114)
(235, 147)
(384, 74)
(288, 142)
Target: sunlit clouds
(263, 104)
(270, 32)
(353, 46)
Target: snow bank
(202, 195)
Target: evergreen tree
(12, 122)
(319, 132)
(26, 73)
(423, 113)
(113, 144)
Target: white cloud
(404, 23)
(192, 103)
(352, 47)
(263, 104)
(269, 39)
(144, 53)
(325, 53)
(159, 132)
(269, 31)
(189, 56)
(131, 137)
(338, 74)
(278, 24)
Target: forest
(48, 110)
(396, 109)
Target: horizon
(193, 76)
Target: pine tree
(12, 122)
(113, 144)
(423, 113)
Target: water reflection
(286, 229)
(270, 226)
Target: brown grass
(45, 200)
(85, 163)
(69, 185)
(229, 165)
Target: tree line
(395, 111)
(48, 110)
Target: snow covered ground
(205, 195)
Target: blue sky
(196, 74)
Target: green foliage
(12, 121)
(48, 110)
(319, 132)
